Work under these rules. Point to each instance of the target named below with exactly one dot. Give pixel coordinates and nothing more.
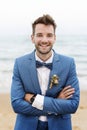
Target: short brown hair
(45, 19)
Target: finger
(69, 93)
(70, 90)
(68, 96)
(66, 88)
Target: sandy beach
(7, 116)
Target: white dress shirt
(43, 77)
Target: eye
(50, 35)
(39, 35)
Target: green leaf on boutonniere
(54, 80)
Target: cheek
(53, 41)
(37, 41)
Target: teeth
(44, 45)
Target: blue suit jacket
(25, 80)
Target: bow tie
(40, 64)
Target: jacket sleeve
(17, 96)
(63, 106)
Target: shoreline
(7, 116)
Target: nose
(44, 39)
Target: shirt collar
(47, 61)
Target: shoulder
(63, 57)
(25, 57)
(63, 60)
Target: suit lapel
(33, 73)
(55, 71)
(34, 78)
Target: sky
(17, 16)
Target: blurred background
(16, 17)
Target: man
(45, 88)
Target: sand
(7, 116)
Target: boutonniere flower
(54, 80)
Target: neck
(44, 57)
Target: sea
(12, 47)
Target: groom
(45, 88)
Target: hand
(66, 93)
(28, 97)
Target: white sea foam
(74, 46)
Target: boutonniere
(54, 80)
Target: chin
(44, 52)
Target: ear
(32, 38)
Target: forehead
(42, 28)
